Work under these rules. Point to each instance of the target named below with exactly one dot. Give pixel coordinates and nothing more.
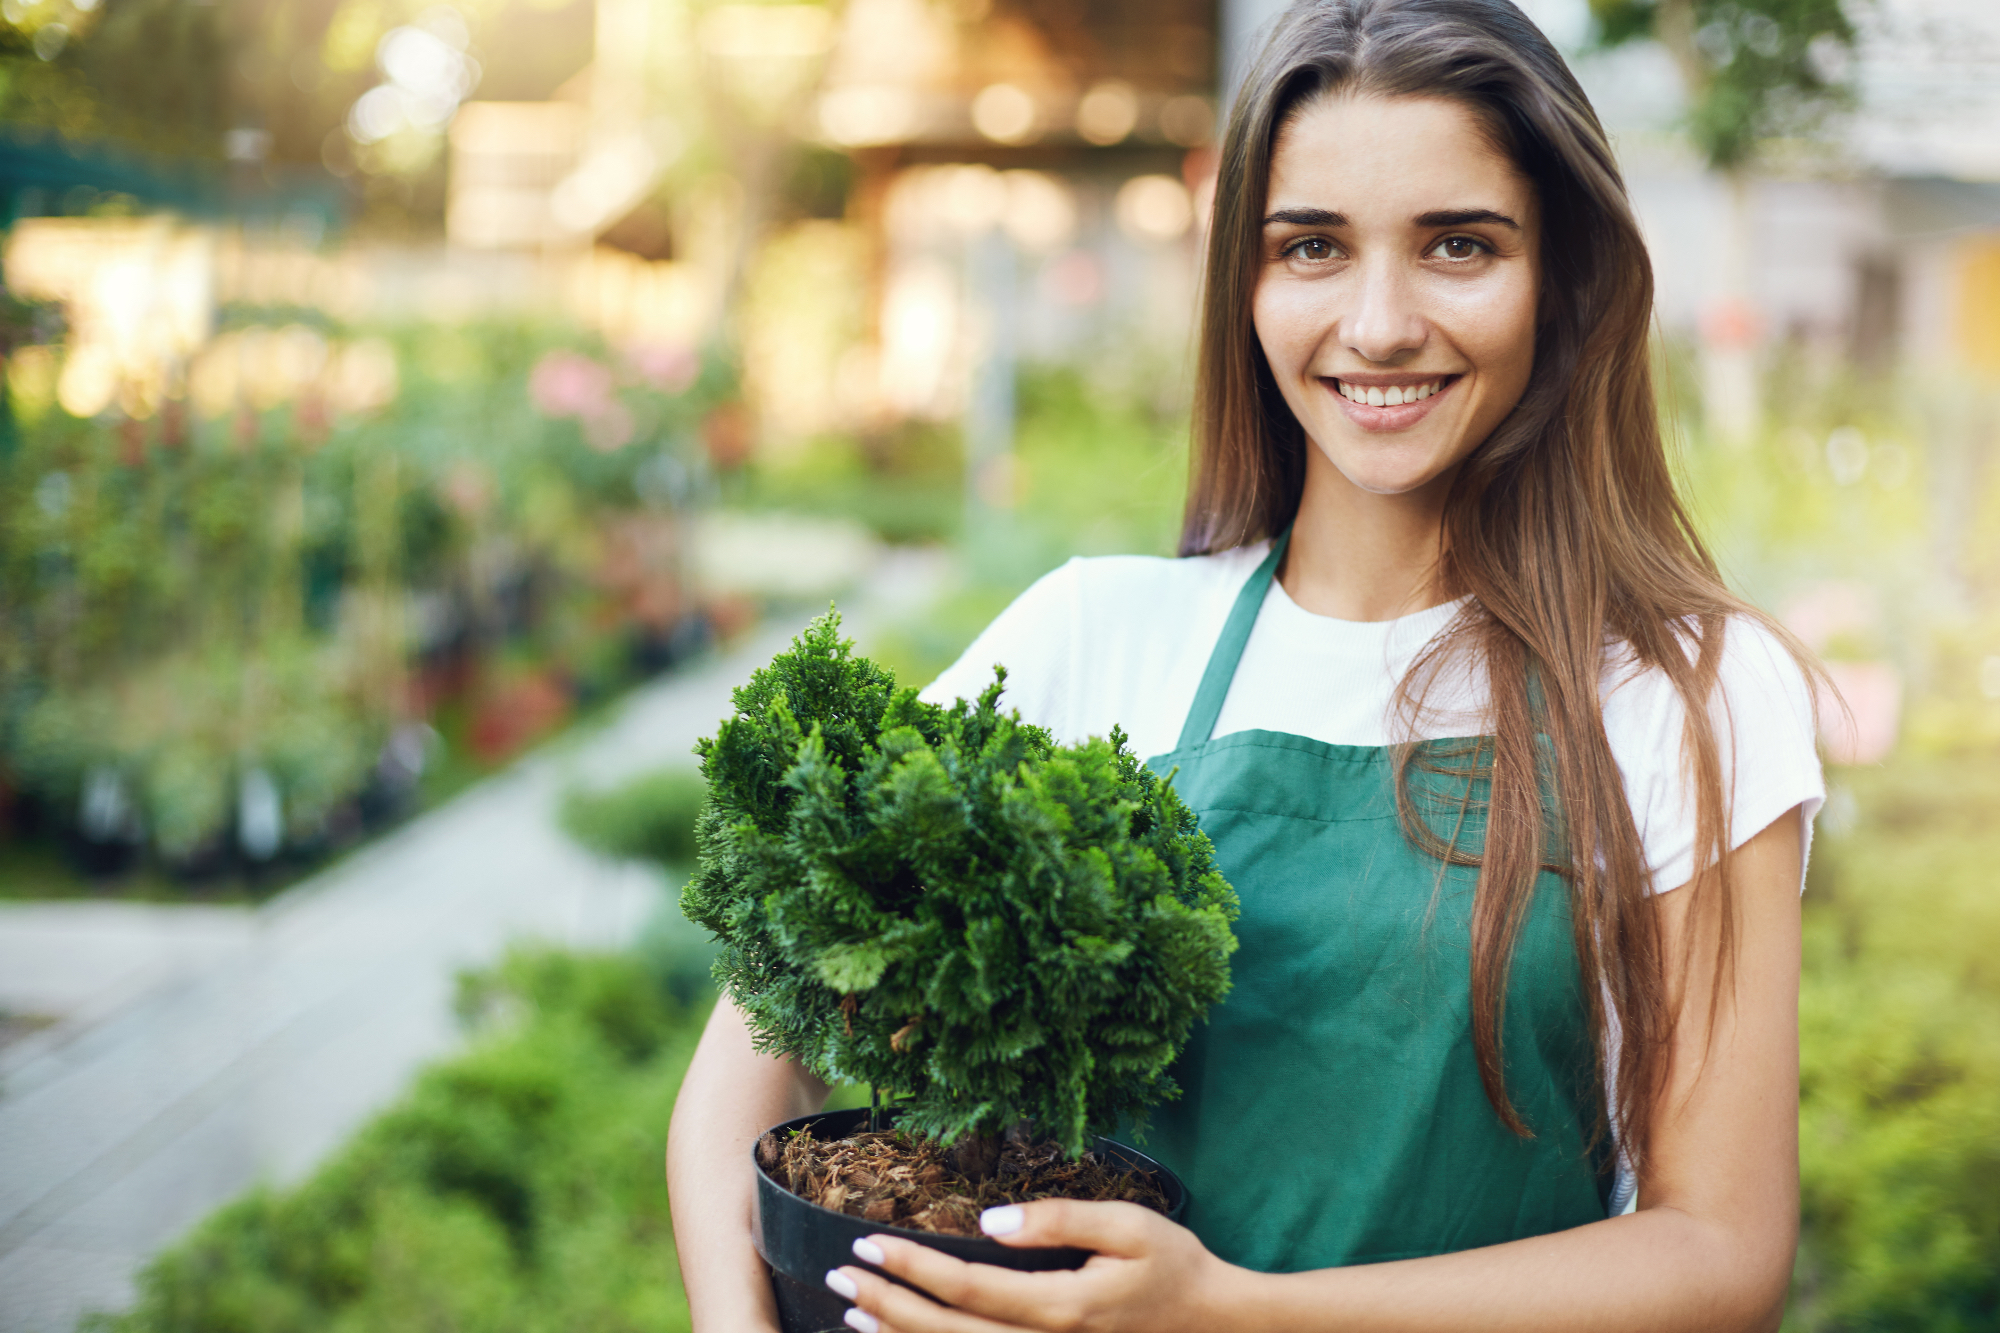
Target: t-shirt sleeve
(1033, 638)
(1763, 719)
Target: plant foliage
(1899, 1025)
(1754, 69)
(650, 818)
(944, 903)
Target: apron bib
(1331, 1110)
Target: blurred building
(889, 204)
(1875, 247)
(1884, 271)
(1018, 178)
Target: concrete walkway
(203, 1049)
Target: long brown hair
(1563, 526)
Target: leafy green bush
(1900, 1055)
(943, 903)
(516, 1188)
(650, 818)
(1104, 452)
(181, 730)
(907, 487)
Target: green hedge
(650, 818)
(518, 1187)
(1900, 1058)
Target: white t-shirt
(1124, 640)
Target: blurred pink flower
(565, 384)
(1828, 609)
(1075, 279)
(1864, 730)
(1731, 322)
(664, 365)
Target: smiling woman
(1514, 791)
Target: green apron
(1331, 1109)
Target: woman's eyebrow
(1464, 217)
(1306, 217)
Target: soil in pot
(896, 1179)
(801, 1239)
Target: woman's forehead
(1363, 155)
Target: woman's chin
(1390, 477)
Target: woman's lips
(1400, 416)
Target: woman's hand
(1148, 1274)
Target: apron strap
(1221, 670)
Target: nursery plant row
(341, 571)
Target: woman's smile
(1388, 402)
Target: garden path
(206, 1050)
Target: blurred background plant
(650, 818)
(390, 383)
(349, 570)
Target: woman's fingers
(884, 1307)
(961, 1297)
(1122, 1229)
(1014, 1299)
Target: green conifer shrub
(946, 905)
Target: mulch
(900, 1180)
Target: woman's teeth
(1393, 396)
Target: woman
(1512, 1043)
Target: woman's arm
(731, 1095)
(1709, 1251)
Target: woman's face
(1396, 294)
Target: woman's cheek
(1289, 327)
(1494, 327)
(1521, 305)
(1515, 357)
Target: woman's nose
(1384, 323)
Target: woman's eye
(1313, 248)
(1460, 247)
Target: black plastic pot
(801, 1241)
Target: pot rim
(931, 1238)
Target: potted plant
(1008, 939)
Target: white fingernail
(862, 1321)
(1002, 1221)
(868, 1252)
(841, 1284)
